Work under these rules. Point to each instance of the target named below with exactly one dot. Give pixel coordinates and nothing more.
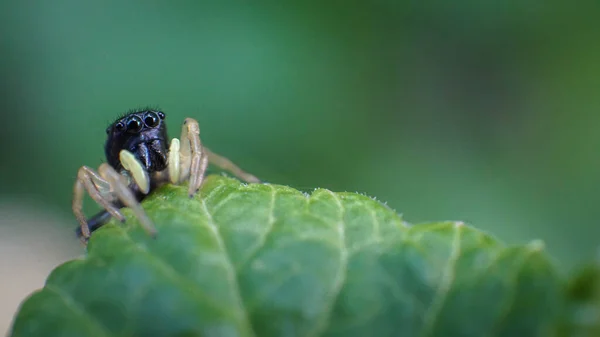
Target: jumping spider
(139, 162)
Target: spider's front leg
(189, 159)
(107, 186)
(99, 190)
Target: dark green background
(482, 111)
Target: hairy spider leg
(99, 190)
(193, 159)
(227, 165)
(107, 186)
(122, 191)
(192, 155)
(186, 158)
(95, 222)
(140, 177)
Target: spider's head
(141, 132)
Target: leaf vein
(376, 225)
(222, 203)
(69, 301)
(167, 268)
(263, 236)
(340, 276)
(433, 312)
(212, 193)
(232, 275)
(509, 300)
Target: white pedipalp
(137, 171)
(174, 161)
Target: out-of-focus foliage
(583, 294)
(485, 112)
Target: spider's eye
(134, 124)
(120, 126)
(151, 120)
(161, 115)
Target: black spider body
(144, 134)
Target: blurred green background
(482, 111)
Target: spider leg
(126, 196)
(99, 190)
(194, 160)
(94, 223)
(227, 165)
(188, 158)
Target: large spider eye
(120, 126)
(134, 124)
(151, 120)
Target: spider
(139, 162)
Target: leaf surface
(268, 260)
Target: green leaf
(583, 303)
(268, 260)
